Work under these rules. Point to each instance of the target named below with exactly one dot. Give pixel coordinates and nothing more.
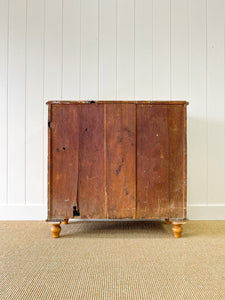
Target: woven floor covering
(112, 260)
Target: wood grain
(64, 161)
(91, 190)
(177, 229)
(55, 230)
(50, 199)
(177, 161)
(121, 160)
(115, 160)
(152, 162)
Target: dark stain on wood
(63, 164)
(91, 190)
(120, 133)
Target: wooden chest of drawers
(117, 160)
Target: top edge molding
(117, 102)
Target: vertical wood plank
(91, 173)
(71, 50)
(53, 50)
(125, 49)
(177, 163)
(34, 102)
(152, 162)
(215, 101)
(16, 102)
(107, 49)
(197, 129)
(179, 50)
(64, 160)
(4, 7)
(47, 189)
(89, 50)
(121, 160)
(161, 50)
(143, 49)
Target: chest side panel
(177, 161)
(63, 160)
(121, 160)
(152, 161)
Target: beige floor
(112, 260)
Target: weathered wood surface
(91, 184)
(121, 160)
(177, 161)
(117, 159)
(152, 162)
(63, 162)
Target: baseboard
(23, 212)
(203, 212)
(39, 212)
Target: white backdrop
(109, 49)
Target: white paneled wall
(109, 49)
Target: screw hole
(63, 148)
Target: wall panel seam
(206, 97)
(7, 108)
(43, 103)
(116, 46)
(134, 45)
(152, 95)
(25, 121)
(224, 86)
(62, 41)
(80, 51)
(98, 47)
(170, 65)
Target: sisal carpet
(112, 260)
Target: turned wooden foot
(168, 221)
(55, 229)
(177, 229)
(64, 222)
